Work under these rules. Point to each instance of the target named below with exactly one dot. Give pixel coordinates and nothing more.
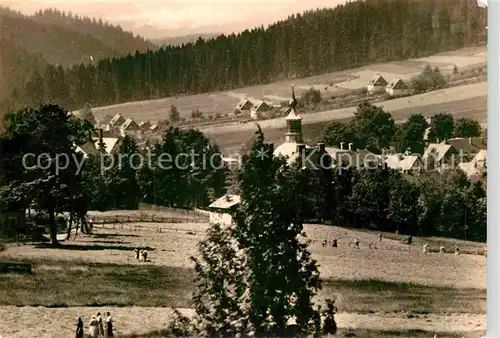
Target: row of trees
(373, 128)
(56, 178)
(316, 42)
(186, 170)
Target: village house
(258, 109)
(244, 105)
(469, 147)
(130, 127)
(153, 128)
(117, 121)
(440, 155)
(145, 126)
(397, 88)
(476, 167)
(377, 84)
(221, 211)
(403, 163)
(294, 146)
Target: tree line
(305, 44)
(381, 199)
(374, 129)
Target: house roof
(129, 123)
(226, 202)
(439, 149)
(243, 103)
(397, 84)
(261, 104)
(117, 119)
(145, 124)
(400, 161)
(468, 145)
(287, 149)
(154, 127)
(378, 80)
(408, 162)
(109, 142)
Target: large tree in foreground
(49, 177)
(257, 274)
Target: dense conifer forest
(305, 44)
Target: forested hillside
(179, 40)
(17, 66)
(312, 43)
(29, 43)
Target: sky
(164, 18)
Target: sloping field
(466, 101)
(329, 84)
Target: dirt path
(40, 322)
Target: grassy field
(466, 101)
(329, 84)
(390, 287)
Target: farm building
(377, 84)
(468, 146)
(244, 105)
(153, 128)
(221, 210)
(117, 121)
(440, 154)
(258, 109)
(145, 125)
(397, 88)
(129, 127)
(404, 163)
(475, 168)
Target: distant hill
(30, 43)
(17, 66)
(179, 40)
(311, 43)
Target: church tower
(293, 122)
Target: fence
(144, 219)
(139, 227)
(152, 207)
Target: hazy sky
(178, 17)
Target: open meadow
(329, 84)
(394, 286)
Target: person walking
(79, 328)
(100, 327)
(93, 327)
(109, 325)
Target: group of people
(97, 329)
(141, 255)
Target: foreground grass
(60, 284)
(354, 333)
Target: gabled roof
(145, 125)
(129, 124)
(118, 119)
(261, 104)
(378, 80)
(226, 202)
(438, 149)
(109, 142)
(244, 102)
(409, 161)
(153, 127)
(397, 84)
(468, 145)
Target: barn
(221, 211)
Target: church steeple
(293, 122)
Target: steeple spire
(293, 122)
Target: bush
(310, 97)
(429, 79)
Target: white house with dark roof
(397, 87)
(117, 121)
(221, 211)
(244, 105)
(259, 108)
(377, 84)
